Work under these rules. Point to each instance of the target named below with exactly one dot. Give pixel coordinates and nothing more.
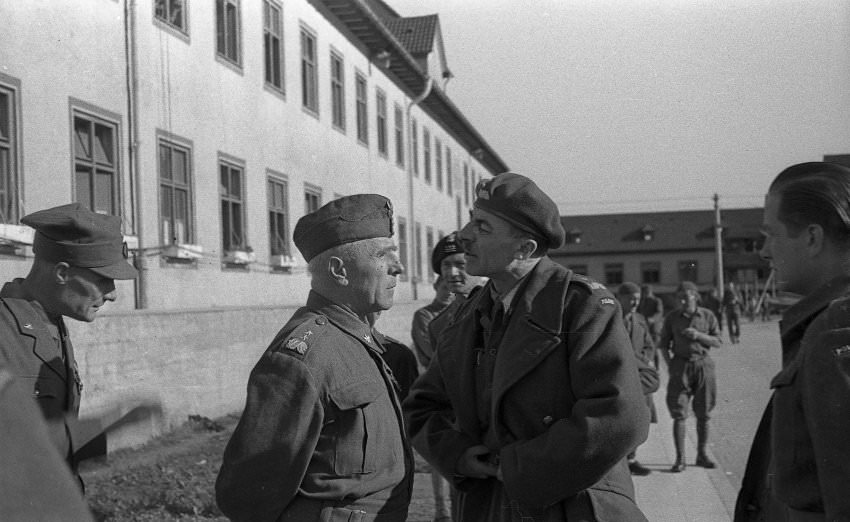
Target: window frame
(414, 146)
(11, 143)
(337, 77)
(650, 267)
(175, 142)
(83, 110)
(230, 56)
(315, 191)
(449, 180)
(361, 95)
(234, 165)
(686, 267)
(381, 122)
(309, 70)
(166, 23)
(438, 163)
(269, 38)
(277, 178)
(429, 247)
(403, 244)
(609, 269)
(399, 135)
(426, 155)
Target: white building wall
(185, 91)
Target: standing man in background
(423, 317)
(798, 465)
(652, 309)
(732, 305)
(644, 347)
(532, 400)
(321, 437)
(689, 333)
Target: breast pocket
(50, 394)
(357, 426)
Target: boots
(702, 441)
(679, 440)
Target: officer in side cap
(688, 334)
(532, 400)
(321, 435)
(78, 256)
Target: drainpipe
(414, 254)
(141, 297)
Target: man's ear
(61, 272)
(526, 248)
(814, 239)
(337, 271)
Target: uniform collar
(344, 318)
(812, 304)
(15, 289)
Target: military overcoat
(567, 403)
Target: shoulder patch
(299, 340)
(608, 301)
(841, 351)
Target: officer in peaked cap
(534, 330)
(78, 255)
(335, 448)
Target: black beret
(343, 220)
(75, 235)
(520, 201)
(445, 247)
(628, 288)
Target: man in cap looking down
(78, 256)
(321, 435)
(532, 400)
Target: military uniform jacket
(803, 437)
(321, 423)
(566, 400)
(35, 357)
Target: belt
(303, 509)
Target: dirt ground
(172, 478)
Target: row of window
(650, 271)
(437, 156)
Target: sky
(637, 105)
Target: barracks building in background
(211, 127)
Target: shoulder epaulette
(299, 340)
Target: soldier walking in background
(689, 333)
(652, 309)
(321, 436)
(528, 421)
(716, 306)
(644, 347)
(798, 465)
(732, 306)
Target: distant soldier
(689, 333)
(716, 306)
(652, 308)
(321, 436)
(629, 296)
(423, 317)
(798, 466)
(732, 306)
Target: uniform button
(321, 320)
(548, 420)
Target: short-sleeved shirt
(702, 320)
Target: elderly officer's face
(785, 253)
(629, 302)
(83, 292)
(453, 271)
(490, 243)
(373, 275)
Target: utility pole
(718, 246)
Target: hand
(691, 333)
(473, 463)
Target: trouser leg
(679, 427)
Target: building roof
(370, 21)
(656, 231)
(415, 33)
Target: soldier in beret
(688, 334)
(321, 436)
(78, 256)
(532, 400)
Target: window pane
(177, 13)
(82, 186)
(237, 225)
(104, 190)
(5, 111)
(164, 162)
(226, 230)
(224, 179)
(181, 216)
(82, 141)
(219, 26)
(235, 184)
(232, 35)
(179, 166)
(103, 144)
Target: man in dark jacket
(533, 399)
(321, 436)
(78, 256)
(798, 466)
